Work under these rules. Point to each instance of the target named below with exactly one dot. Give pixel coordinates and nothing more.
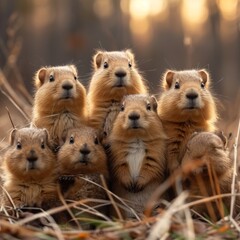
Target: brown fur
(133, 140)
(106, 90)
(56, 108)
(207, 154)
(182, 116)
(73, 162)
(29, 182)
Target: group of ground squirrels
(117, 131)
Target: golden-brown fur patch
(137, 145)
(211, 172)
(115, 75)
(29, 169)
(60, 100)
(185, 106)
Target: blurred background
(163, 34)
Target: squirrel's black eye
(96, 140)
(71, 141)
(177, 85)
(51, 78)
(148, 106)
(105, 65)
(130, 65)
(75, 78)
(42, 145)
(19, 145)
(202, 84)
(122, 108)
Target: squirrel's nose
(120, 74)
(134, 116)
(67, 86)
(32, 156)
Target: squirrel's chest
(63, 121)
(135, 157)
(31, 194)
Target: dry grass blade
(204, 200)
(235, 169)
(65, 204)
(82, 207)
(16, 105)
(13, 229)
(10, 118)
(112, 200)
(8, 196)
(173, 178)
(114, 195)
(163, 222)
(204, 192)
(53, 211)
(189, 231)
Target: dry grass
(173, 222)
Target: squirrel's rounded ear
(12, 136)
(46, 134)
(204, 75)
(73, 68)
(40, 77)
(130, 55)
(97, 60)
(167, 79)
(222, 136)
(154, 103)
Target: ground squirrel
(208, 171)
(29, 169)
(137, 145)
(60, 100)
(82, 154)
(115, 75)
(185, 106)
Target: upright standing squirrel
(115, 75)
(82, 154)
(211, 172)
(185, 106)
(60, 100)
(29, 169)
(137, 145)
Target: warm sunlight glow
(228, 9)
(157, 7)
(103, 8)
(140, 9)
(194, 12)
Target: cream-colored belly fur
(135, 158)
